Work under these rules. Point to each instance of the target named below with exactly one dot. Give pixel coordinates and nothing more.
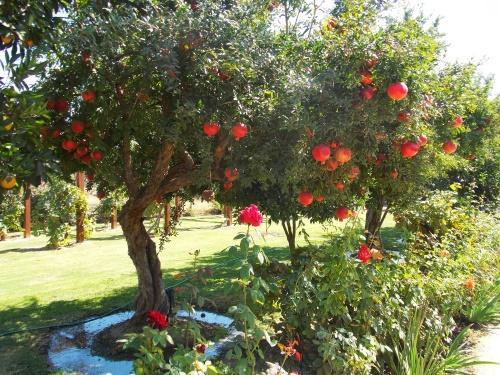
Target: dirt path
(488, 349)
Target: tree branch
(221, 146)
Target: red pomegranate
(77, 126)
(342, 154)
(228, 185)
(394, 174)
(331, 164)
(96, 155)
(55, 133)
(86, 56)
(366, 78)
(339, 185)
(85, 159)
(403, 116)
(81, 151)
(449, 147)
(321, 153)
(211, 128)
(334, 144)
(409, 149)
(231, 174)
(90, 177)
(457, 122)
(88, 96)
(422, 140)
(353, 172)
(68, 145)
(397, 91)
(61, 105)
(51, 105)
(239, 131)
(367, 93)
(319, 198)
(342, 213)
(305, 198)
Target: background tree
(27, 32)
(129, 91)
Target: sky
(472, 31)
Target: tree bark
(80, 216)
(228, 213)
(167, 224)
(151, 293)
(114, 218)
(374, 219)
(290, 228)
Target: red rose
(157, 319)
(364, 254)
(251, 216)
(200, 348)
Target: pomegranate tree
(144, 113)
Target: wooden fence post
(80, 183)
(228, 213)
(114, 218)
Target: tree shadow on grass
(392, 238)
(27, 250)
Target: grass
(39, 286)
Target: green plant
(150, 345)
(55, 206)
(12, 210)
(253, 289)
(114, 200)
(485, 307)
(423, 352)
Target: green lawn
(39, 286)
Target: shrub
(54, 210)
(350, 311)
(104, 210)
(12, 209)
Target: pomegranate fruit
(305, 198)
(449, 147)
(342, 154)
(96, 155)
(211, 128)
(321, 153)
(77, 126)
(88, 96)
(397, 91)
(367, 93)
(409, 149)
(68, 145)
(239, 131)
(342, 213)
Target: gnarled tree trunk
(142, 250)
(290, 228)
(375, 216)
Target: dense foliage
(54, 211)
